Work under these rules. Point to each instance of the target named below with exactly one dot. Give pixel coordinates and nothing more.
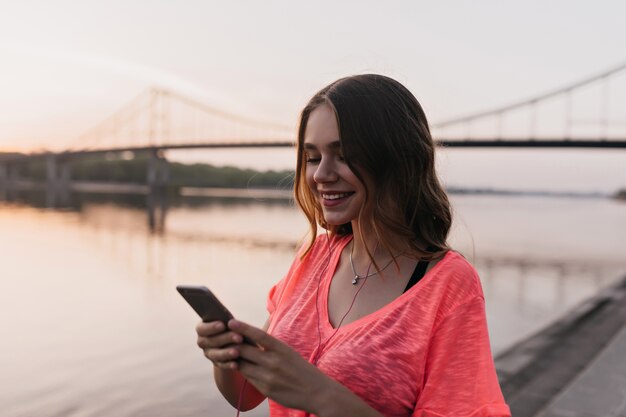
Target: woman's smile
(334, 199)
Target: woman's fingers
(217, 342)
(221, 340)
(215, 335)
(253, 354)
(269, 353)
(222, 355)
(258, 336)
(210, 329)
(226, 348)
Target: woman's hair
(385, 138)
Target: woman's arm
(230, 382)
(280, 373)
(339, 401)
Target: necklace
(358, 277)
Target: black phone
(205, 303)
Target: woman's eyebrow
(333, 145)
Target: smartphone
(205, 303)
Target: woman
(376, 317)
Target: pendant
(355, 280)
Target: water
(92, 325)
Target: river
(92, 325)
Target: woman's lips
(334, 199)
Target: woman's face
(340, 193)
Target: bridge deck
(448, 143)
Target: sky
(67, 65)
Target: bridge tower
(158, 179)
(9, 174)
(4, 173)
(57, 180)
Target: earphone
(320, 345)
(317, 293)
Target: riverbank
(575, 367)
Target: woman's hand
(218, 344)
(279, 372)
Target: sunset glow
(66, 68)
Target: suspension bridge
(589, 113)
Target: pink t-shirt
(424, 354)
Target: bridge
(585, 114)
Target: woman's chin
(336, 220)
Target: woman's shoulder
(456, 280)
(456, 265)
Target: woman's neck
(362, 242)
(367, 242)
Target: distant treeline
(190, 175)
(134, 170)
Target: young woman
(376, 316)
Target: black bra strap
(418, 274)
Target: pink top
(424, 354)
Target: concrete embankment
(576, 367)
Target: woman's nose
(325, 172)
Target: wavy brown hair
(385, 137)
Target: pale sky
(67, 65)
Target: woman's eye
(312, 160)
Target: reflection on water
(92, 325)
